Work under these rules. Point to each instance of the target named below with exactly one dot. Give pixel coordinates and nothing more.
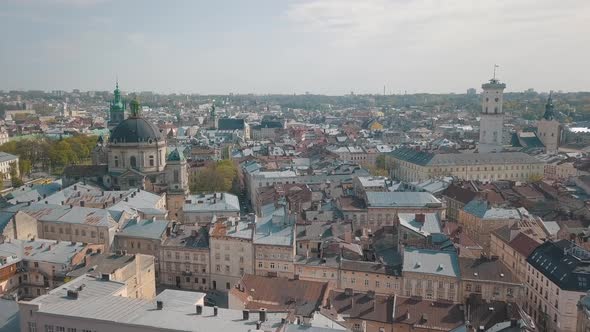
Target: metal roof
(443, 263)
(402, 199)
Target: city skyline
(317, 46)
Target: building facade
(491, 121)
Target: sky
(294, 46)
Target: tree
(221, 176)
(24, 167)
(14, 176)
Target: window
(272, 265)
(71, 329)
(32, 326)
(226, 257)
(227, 268)
(478, 288)
(60, 329)
(468, 287)
(116, 161)
(152, 161)
(260, 265)
(133, 162)
(49, 328)
(176, 176)
(366, 282)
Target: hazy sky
(293, 46)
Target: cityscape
(125, 208)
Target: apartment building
(71, 223)
(88, 303)
(431, 274)
(232, 252)
(201, 208)
(17, 225)
(137, 272)
(143, 237)
(512, 247)
(479, 218)
(31, 267)
(489, 280)
(558, 275)
(274, 245)
(414, 165)
(184, 258)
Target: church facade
(135, 156)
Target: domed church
(136, 157)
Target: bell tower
(548, 128)
(491, 121)
(117, 108)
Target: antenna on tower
(117, 80)
(495, 66)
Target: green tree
(25, 167)
(14, 176)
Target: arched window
(133, 162)
(116, 161)
(176, 176)
(152, 161)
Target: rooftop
(280, 294)
(41, 250)
(216, 202)
(463, 159)
(99, 300)
(149, 229)
(443, 263)
(402, 199)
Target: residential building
(201, 208)
(232, 252)
(71, 223)
(479, 218)
(431, 275)
(137, 272)
(90, 304)
(8, 161)
(513, 247)
(184, 258)
(489, 280)
(300, 297)
(31, 267)
(143, 237)
(558, 275)
(17, 225)
(274, 245)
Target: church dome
(135, 130)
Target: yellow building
(413, 165)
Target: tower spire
(494, 77)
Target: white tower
(491, 120)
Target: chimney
(246, 314)
(420, 217)
(262, 314)
(258, 325)
(105, 277)
(114, 201)
(81, 203)
(167, 231)
(215, 308)
(199, 309)
(159, 305)
(75, 187)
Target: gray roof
(463, 159)
(99, 301)
(402, 199)
(430, 225)
(9, 316)
(7, 157)
(217, 202)
(148, 229)
(443, 263)
(276, 234)
(41, 250)
(483, 210)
